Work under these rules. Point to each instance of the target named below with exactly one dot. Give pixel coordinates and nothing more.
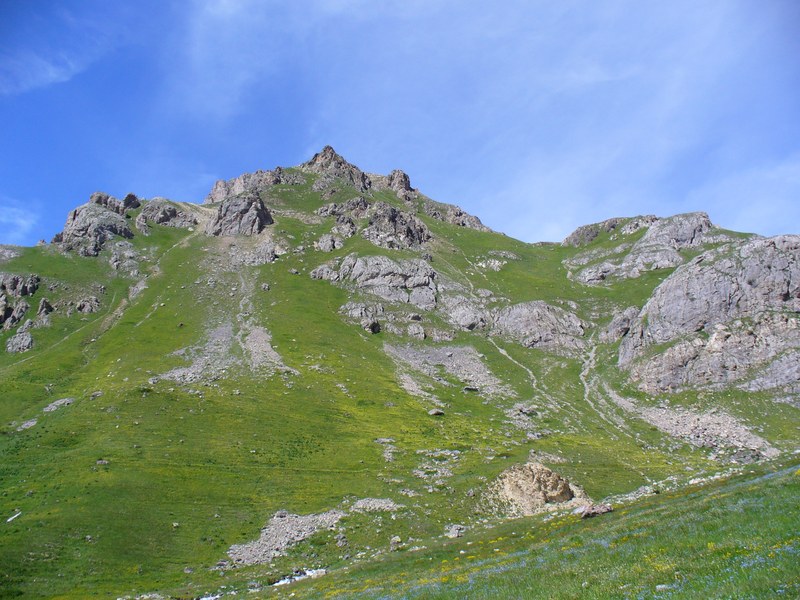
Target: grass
(193, 469)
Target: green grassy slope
(190, 469)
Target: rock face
(533, 488)
(658, 248)
(392, 228)
(163, 212)
(331, 167)
(539, 325)
(619, 326)
(726, 312)
(251, 183)
(406, 281)
(240, 215)
(454, 215)
(91, 225)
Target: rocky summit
(319, 369)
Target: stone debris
(365, 505)
(55, 405)
(454, 531)
(283, 530)
(462, 362)
(27, 425)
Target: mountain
(319, 368)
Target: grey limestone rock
(21, 342)
(12, 319)
(331, 166)
(18, 285)
(658, 248)
(725, 312)
(118, 206)
(537, 324)
(90, 304)
(252, 183)
(240, 215)
(455, 215)
(392, 228)
(404, 281)
(45, 308)
(619, 326)
(163, 212)
(328, 243)
(90, 226)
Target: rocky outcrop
(240, 215)
(18, 285)
(163, 212)
(586, 234)
(118, 206)
(398, 182)
(658, 248)
(87, 305)
(328, 243)
(537, 324)
(11, 317)
(531, 488)
(406, 281)
(91, 225)
(252, 183)
(724, 313)
(21, 342)
(355, 208)
(331, 168)
(449, 213)
(392, 228)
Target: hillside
(318, 367)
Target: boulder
(594, 510)
(21, 342)
(328, 243)
(531, 488)
(240, 215)
(90, 304)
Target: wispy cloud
(48, 45)
(763, 199)
(17, 220)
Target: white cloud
(16, 222)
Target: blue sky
(536, 116)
